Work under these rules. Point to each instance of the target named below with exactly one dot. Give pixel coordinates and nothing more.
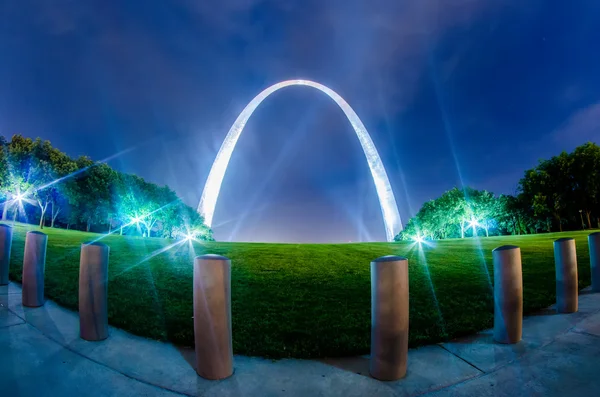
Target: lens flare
(389, 209)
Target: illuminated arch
(391, 217)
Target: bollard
(565, 258)
(6, 233)
(34, 261)
(93, 291)
(594, 245)
(389, 317)
(212, 316)
(508, 294)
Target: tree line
(38, 181)
(560, 193)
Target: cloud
(375, 49)
(378, 48)
(583, 126)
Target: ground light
(473, 223)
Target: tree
(18, 165)
(90, 196)
(82, 191)
(513, 215)
(485, 209)
(585, 170)
(549, 189)
(4, 174)
(42, 175)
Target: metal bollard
(34, 262)
(6, 233)
(594, 245)
(565, 258)
(212, 316)
(508, 294)
(389, 317)
(93, 291)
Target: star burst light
(473, 223)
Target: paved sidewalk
(41, 354)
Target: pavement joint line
(481, 373)
(16, 314)
(575, 331)
(462, 359)
(437, 389)
(12, 325)
(66, 347)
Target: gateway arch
(389, 209)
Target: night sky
(452, 92)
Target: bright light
(136, 220)
(473, 223)
(188, 237)
(208, 202)
(20, 197)
(419, 239)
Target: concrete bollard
(508, 294)
(389, 317)
(565, 258)
(34, 262)
(594, 245)
(212, 316)
(6, 233)
(93, 291)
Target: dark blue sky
(452, 92)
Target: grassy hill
(300, 300)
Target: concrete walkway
(41, 354)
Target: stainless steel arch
(208, 202)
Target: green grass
(300, 300)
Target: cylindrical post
(212, 316)
(93, 291)
(594, 244)
(565, 258)
(389, 317)
(508, 294)
(34, 262)
(6, 233)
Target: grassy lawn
(300, 300)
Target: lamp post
(581, 216)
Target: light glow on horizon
(387, 201)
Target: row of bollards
(93, 279)
(389, 306)
(508, 284)
(212, 299)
